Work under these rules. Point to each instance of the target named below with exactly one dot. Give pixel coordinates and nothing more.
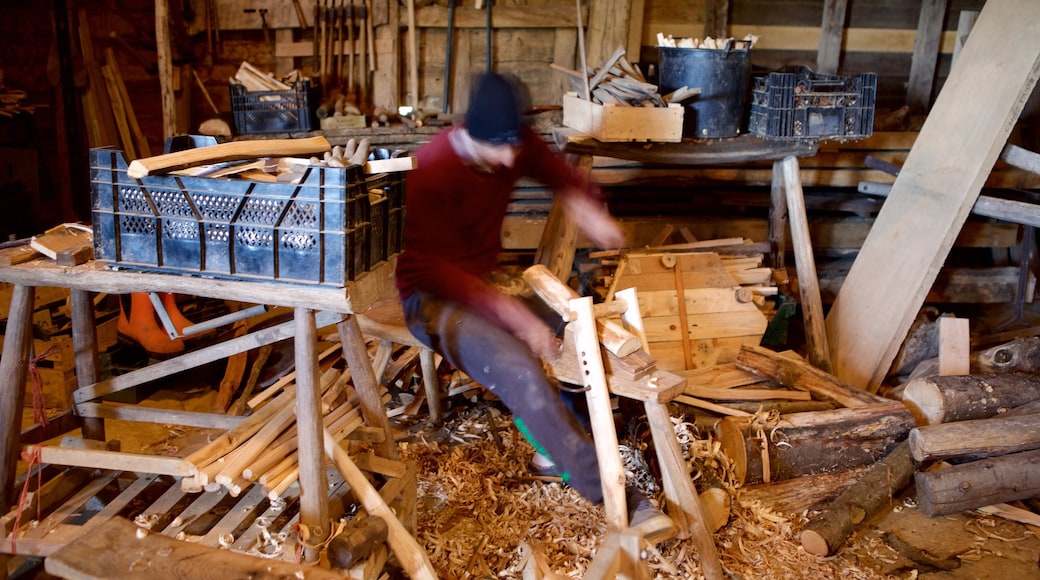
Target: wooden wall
(528, 36)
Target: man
(456, 203)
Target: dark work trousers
(504, 365)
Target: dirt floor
(481, 515)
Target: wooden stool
(385, 320)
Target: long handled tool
(446, 99)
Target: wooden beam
(935, 191)
(716, 18)
(926, 54)
(603, 33)
(832, 32)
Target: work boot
(139, 323)
(645, 517)
(541, 466)
(180, 322)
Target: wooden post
(17, 339)
(612, 473)
(684, 504)
(365, 382)
(926, 54)
(635, 30)
(84, 344)
(603, 34)
(805, 262)
(832, 30)
(716, 18)
(936, 188)
(162, 43)
(777, 218)
(314, 501)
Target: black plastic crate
(809, 106)
(275, 111)
(317, 231)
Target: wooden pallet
(248, 524)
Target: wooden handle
(231, 151)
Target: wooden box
(621, 123)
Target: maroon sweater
(454, 217)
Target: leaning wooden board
(935, 191)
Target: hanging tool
(340, 11)
(581, 53)
(300, 14)
(263, 21)
(490, 3)
(446, 99)
(349, 18)
(316, 62)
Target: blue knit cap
(494, 113)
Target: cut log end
(814, 543)
(925, 401)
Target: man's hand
(523, 323)
(594, 220)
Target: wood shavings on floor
(481, 515)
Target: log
(807, 443)
(827, 531)
(980, 483)
(357, 541)
(795, 496)
(231, 151)
(977, 439)
(798, 374)
(963, 397)
(1020, 355)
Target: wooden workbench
(314, 306)
(556, 249)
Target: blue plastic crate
(316, 231)
(291, 111)
(809, 106)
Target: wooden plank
(230, 151)
(807, 38)
(942, 178)
(110, 460)
(125, 546)
(954, 346)
(831, 33)
(926, 55)
(109, 410)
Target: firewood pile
(263, 448)
(620, 82)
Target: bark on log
(827, 531)
(963, 397)
(980, 483)
(976, 439)
(809, 443)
